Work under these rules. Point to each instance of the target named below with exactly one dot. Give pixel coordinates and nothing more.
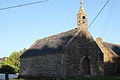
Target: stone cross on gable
(81, 2)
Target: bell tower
(82, 19)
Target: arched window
(86, 66)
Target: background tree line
(12, 64)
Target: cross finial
(81, 2)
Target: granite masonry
(67, 54)
(111, 54)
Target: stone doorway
(86, 66)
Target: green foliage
(82, 78)
(14, 60)
(7, 69)
(4, 68)
(1, 62)
(95, 78)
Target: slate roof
(50, 44)
(113, 47)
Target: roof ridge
(56, 34)
(112, 43)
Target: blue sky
(20, 27)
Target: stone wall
(108, 55)
(110, 65)
(48, 65)
(77, 50)
(68, 63)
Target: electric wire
(89, 25)
(98, 13)
(21, 5)
(48, 0)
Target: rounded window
(83, 17)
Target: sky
(21, 27)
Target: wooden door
(86, 66)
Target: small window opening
(83, 17)
(78, 22)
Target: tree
(22, 51)
(7, 69)
(14, 60)
(4, 68)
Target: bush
(7, 69)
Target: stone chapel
(68, 54)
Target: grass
(85, 78)
(97, 78)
